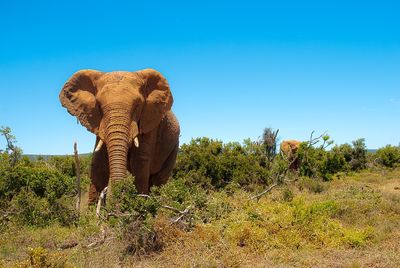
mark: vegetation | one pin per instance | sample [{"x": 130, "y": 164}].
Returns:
[{"x": 218, "y": 209}]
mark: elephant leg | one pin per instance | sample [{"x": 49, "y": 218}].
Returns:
[
  {"x": 99, "y": 173},
  {"x": 162, "y": 176},
  {"x": 141, "y": 173}
]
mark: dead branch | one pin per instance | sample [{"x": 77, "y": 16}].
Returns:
[
  {"x": 99, "y": 241},
  {"x": 182, "y": 214},
  {"x": 144, "y": 195},
  {"x": 68, "y": 245},
  {"x": 78, "y": 179},
  {"x": 171, "y": 208},
  {"x": 315, "y": 140},
  {"x": 264, "y": 192},
  {"x": 100, "y": 201}
]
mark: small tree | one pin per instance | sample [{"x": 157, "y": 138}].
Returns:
[
  {"x": 13, "y": 151},
  {"x": 359, "y": 155},
  {"x": 389, "y": 156},
  {"x": 269, "y": 141}
]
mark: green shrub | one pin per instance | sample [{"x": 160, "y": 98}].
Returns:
[
  {"x": 36, "y": 195},
  {"x": 66, "y": 164},
  {"x": 29, "y": 209},
  {"x": 287, "y": 194},
  {"x": 359, "y": 155},
  {"x": 317, "y": 162},
  {"x": 212, "y": 164},
  {"x": 40, "y": 258},
  {"x": 44, "y": 182},
  {"x": 125, "y": 199},
  {"x": 388, "y": 156},
  {"x": 312, "y": 185}
]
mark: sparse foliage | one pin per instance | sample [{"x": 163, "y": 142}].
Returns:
[
  {"x": 269, "y": 142},
  {"x": 13, "y": 152}
]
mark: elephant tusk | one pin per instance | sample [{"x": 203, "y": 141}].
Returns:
[
  {"x": 99, "y": 145},
  {"x": 136, "y": 142}
]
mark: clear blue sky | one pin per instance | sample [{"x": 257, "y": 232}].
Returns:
[{"x": 234, "y": 67}]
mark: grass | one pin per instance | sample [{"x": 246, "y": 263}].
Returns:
[{"x": 352, "y": 221}]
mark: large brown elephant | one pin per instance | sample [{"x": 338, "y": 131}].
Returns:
[
  {"x": 288, "y": 150},
  {"x": 130, "y": 114}
]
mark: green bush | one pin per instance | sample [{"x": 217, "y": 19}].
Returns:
[
  {"x": 36, "y": 195},
  {"x": 312, "y": 185},
  {"x": 66, "y": 164},
  {"x": 212, "y": 164},
  {"x": 318, "y": 162},
  {"x": 42, "y": 181},
  {"x": 388, "y": 156},
  {"x": 359, "y": 155},
  {"x": 29, "y": 209},
  {"x": 125, "y": 199}
]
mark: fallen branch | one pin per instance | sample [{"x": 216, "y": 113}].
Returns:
[
  {"x": 172, "y": 208},
  {"x": 183, "y": 213},
  {"x": 68, "y": 245},
  {"x": 264, "y": 192},
  {"x": 100, "y": 241},
  {"x": 144, "y": 195}
]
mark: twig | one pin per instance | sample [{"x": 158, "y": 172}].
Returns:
[
  {"x": 172, "y": 208},
  {"x": 99, "y": 202},
  {"x": 101, "y": 241},
  {"x": 68, "y": 245},
  {"x": 313, "y": 141},
  {"x": 181, "y": 213},
  {"x": 144, "y": 195},
  {"x": 287, "y": 180},
  {"x": 264, "y": 192},
  {"x": 78, "y": 179}
]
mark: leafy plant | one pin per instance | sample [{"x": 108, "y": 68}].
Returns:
[{"x": 388, "y": 156}]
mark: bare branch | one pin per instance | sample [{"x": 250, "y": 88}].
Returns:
[
  {"x": 100, "y": 241},
  {"x": 144, "y": 195},
  {"x": 100, "y": 201},
  {"x": 264, "y": 192},
  {"x": 78, "y": 179},
  {"x": 171, "y": 208},
  {"x": 315, "y": 140}
]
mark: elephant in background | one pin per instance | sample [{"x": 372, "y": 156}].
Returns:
[
  {"x": 136, "y": 131},
  {"x": 289, "y": 150}
]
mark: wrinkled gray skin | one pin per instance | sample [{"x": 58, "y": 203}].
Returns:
[{"x": 130, "y": 114}]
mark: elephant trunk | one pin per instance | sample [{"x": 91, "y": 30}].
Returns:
[{"x": 117, "y": 139}]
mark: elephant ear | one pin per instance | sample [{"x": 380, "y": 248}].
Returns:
[
  {"x": 78, "y": 96},
  {"x": 158, "y": 98}
]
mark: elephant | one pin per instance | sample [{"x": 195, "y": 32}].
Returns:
[
  {"x": 288, "y": 150},
  {"x": 136, "y": 131}
]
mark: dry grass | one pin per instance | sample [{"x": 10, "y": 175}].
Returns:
[{"x": 353, "y": 222}]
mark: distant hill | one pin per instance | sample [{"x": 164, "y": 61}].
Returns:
[{"x": 46, "y": 157}]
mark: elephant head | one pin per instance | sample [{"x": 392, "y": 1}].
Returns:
[
  {"x": 117, "y": 107},
  {"x": 288, "y": 150}
]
